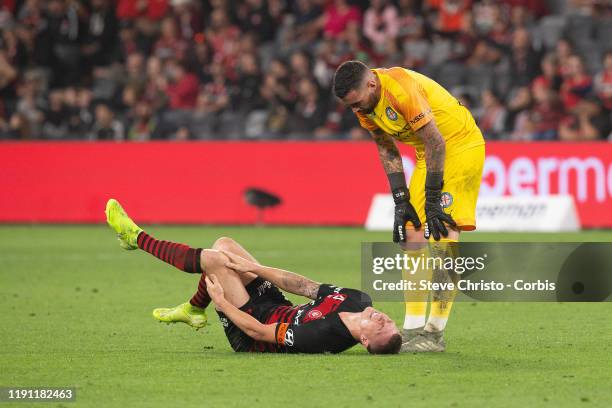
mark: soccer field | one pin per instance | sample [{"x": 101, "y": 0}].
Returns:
[{"x": 77, "y": 313}]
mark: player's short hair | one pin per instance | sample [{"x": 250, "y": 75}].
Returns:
[
  {"x": 392, "y": 346},
  {"x": 348, "y": 76}
]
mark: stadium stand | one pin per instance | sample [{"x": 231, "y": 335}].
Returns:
[{"x": 261, "y": 69}]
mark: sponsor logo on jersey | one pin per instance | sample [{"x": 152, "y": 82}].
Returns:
[
  {"x": 391, "y": 114},
  {"x": 261, "y": 289},
  {"x": 446, "y": 199},
  {"x": 289, "y": 338},
  {"x": 297, "y": 316},
  {"x": 417, "y": 118},
  {"x": 224, "y": 322}
]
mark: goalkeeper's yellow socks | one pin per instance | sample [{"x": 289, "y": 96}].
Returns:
[
  {"x": 416, "y": 300},
  {"x": 440, "y": 310}
]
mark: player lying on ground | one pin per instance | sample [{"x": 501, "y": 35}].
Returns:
[{"x": 254, "y": 313}]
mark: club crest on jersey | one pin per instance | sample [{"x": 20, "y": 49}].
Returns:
[
  {"x": 314, "y": 314},
  {"x": 391, "y": 114},
  {"x": 446, "y": 199}
]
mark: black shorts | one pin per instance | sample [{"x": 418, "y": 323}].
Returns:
[{"x": 264, "y": 298}]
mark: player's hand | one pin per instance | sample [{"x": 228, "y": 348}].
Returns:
[
  {"x": 404, "y": 212},
  {"x": 238, "y": 263},
  {"x": 214, "y": 289},
  {"x": 435, "y": 217}
]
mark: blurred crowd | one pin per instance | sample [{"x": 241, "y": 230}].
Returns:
[{"x": 261, "y": 69}]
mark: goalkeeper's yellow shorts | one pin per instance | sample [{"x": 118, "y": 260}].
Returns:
[{"x": 462, "y": 176}]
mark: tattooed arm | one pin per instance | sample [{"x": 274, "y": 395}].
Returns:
[
  {"x": 392, "y": 162},
  {"x": 289, "y": 281},
  {"x": 435, "y": 154},
  {"x": 435, "y": 147},
  {"x": 387, "y": 152},
  {"x": 285, "y": 280}
]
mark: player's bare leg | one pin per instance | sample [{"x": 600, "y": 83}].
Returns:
[
  {"x": 233, "y": 284},
  {"x": 211, "y": 261}
]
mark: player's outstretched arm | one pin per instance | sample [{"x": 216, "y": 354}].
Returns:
[
  {"x": 285, "y": 280},
  {"x": 391, "y": 160},
  {"x": 435, "y": 155},
  {"x": 247, "y": 323}
]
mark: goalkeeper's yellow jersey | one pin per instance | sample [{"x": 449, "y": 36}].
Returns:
[{"x": 409, "y": 101}]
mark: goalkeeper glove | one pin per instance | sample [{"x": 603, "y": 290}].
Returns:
[
  {"x": 404, "y": 211},
  {"x": 435, "y": 217}
]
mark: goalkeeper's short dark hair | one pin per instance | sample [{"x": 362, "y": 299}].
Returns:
[
  {"x": 348, "y": 76},
  {"x": 392, "y": 346}
]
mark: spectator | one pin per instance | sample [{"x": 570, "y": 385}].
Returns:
[
  {"x": 337, "y": 16},
  {"x": 225, "y": 41},
  {"x": 151, "y": 9},
  {"x": 8, "y": 76},
  {"x": 300, "y": 65},
  {"x": 155, "y": 89},
  {"x": 357, "y": 48},
  {"x": 63, "y": 36},
  {"x": 100, "y": 36},
  {"x": 492, "y": 115},
  {"x": 106, "y": 126},
  {"x": 143, "y": 125},
  {"x": 487, "y": 13},
  {"x": 549, "y": 78},
  {"x": 145, "y": 60},
  {"x": 247, "y": 97},
  {"x": 536, "y": 8},
  {"x": 603, "y": 82},
  {"x": 18, "y": 128},
  {"x": 134, "y": 68},
  {"x": 31, "y": 102},
  {"x": 306, "y": 17},
  {"x": 451, "y": 14},
  {"x": 182, "y": 88},
  {"x": 588, "y": 122},
  {"x": 78, "y": 122},
  {"x": 412, "y": 35},
  {"x": 381, "y": 24},
  {"x": 520, "y": 102},
  {"x": 577, "y": 84},
  {"x": 130, "y": 42},
  {"x": 212, "y": 101},
  {"x": 310, "y": 110},
  {"x": 546, "y": 113},
  {"x": 170, "y": 43},
  {"x": 524, "y": 60},
  {"x": 254, "y": 16},
  {"x": 188, "y": 17},
  {"x": 563, "y": 51},
  {"x": 55, "y": 126}
]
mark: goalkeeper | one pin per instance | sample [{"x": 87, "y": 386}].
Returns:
[
  {"x": 398, "y": 104},
  {"x": 255, "y": 315}
]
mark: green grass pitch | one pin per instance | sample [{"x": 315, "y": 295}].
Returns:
[{"x": 76, "y": 311}]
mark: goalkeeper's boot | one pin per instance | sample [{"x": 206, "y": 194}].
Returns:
[
  {"x": 425, "y": 342},
  {"x": 186, "y": 313},
  {"x": 127, "y": 231},
  {"x": 409, "y": 334}
]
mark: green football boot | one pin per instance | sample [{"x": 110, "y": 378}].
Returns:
[
  {"x": 426, "y": 342},
  {"x": 184, "y": 313},
  {"x": 127, "y": 231}
]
